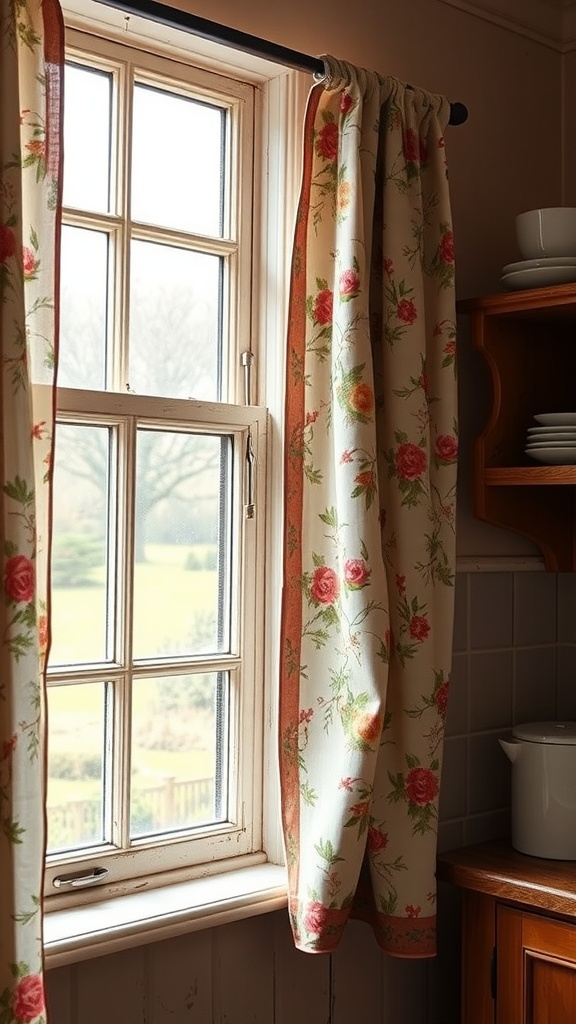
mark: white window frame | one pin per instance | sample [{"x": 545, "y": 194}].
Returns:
[{"x": 248, "y": 888}]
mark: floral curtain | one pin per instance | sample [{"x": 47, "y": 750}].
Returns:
[
  {"x": 31, "y": 56},
  {"x": 370, "y": 475}
]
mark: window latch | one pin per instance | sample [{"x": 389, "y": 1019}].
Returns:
[
  {"x": 247, "y": 359},
  {"x": 79, "y": 879},
  {"x": 249, "y": 507}
]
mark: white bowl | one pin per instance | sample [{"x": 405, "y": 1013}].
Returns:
[{"x": 546, "y": 233}]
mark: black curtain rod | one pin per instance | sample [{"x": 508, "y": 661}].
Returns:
[{"x": 173, "y": 17}]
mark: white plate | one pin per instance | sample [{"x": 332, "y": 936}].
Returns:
[
  {"x": 554, "y": 456},
  {"x": 552, "y": 435},
  {"x": 553, "y": 428},
  {"x": 546, "y": 261},
  {"x": 556, "y": 419},
  {"x": 539, "y": 277},
  {"x": 550, "y": 444}
]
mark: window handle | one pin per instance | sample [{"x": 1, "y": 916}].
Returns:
[
  {"x": 250, "y": 508},
  {"x": 247, "y": 359},
  {"x": 79, "y": 879}
]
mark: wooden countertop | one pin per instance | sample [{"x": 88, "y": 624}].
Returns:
[{"x": 497, "y": 869}]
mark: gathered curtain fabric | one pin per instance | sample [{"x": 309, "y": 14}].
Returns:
[
  {"x": 31, "y": 66},
  {"x": 369, "y": 533}
]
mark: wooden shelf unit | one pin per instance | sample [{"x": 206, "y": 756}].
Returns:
[{"x": 528, "y": 340}]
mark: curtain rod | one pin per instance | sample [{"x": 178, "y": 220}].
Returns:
[{"x": 173, "y": 17}]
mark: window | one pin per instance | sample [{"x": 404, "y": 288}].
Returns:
[{"x": 155, "y": 676}]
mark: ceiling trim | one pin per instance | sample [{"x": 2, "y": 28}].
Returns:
[{"x": 550, "y": 22}]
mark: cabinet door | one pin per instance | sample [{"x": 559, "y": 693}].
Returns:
[{"x": 536, "y": 969}]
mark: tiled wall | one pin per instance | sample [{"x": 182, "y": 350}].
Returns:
[{"x": 514, "y": 647}]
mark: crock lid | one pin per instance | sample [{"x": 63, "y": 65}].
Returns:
[{"x": 546, "y": 732}]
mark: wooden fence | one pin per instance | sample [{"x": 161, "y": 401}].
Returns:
[{"x": 171, "y": 804}]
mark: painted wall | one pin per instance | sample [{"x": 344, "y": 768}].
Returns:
[{"x": 513, "y": 629}]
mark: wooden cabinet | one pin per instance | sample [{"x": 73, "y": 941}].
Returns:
[
  {"x": 518, "y": 935},
  {"x": 528, "y": 340},
  {"x": 535, "y": 968}
]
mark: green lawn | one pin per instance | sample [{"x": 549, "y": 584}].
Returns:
[{"x": 170, "y": 602}]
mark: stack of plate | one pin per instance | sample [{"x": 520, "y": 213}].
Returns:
[
  {"x": 554, "y": 439},
  {"x": 539, "y": 273}
]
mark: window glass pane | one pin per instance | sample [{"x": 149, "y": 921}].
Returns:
[
  {"x": 175, "y": 332},
  {"x": 87, "y": 134},
  {"x": 83, "y": 308},
  {"x": 182, "y": 577},
  {"x": 179, "y": 752},
  {"x": 77, "y": 743},
  {"x": 81, "y": 624},
  {"x": 178, "y": 181}
]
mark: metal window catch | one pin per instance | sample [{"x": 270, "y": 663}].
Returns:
[
  {"x": 79, "y": 879},
  {"x": 247, "y": 359},
  {"x": 250, "y": 508}
]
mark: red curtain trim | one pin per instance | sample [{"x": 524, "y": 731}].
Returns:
[
  {"x": 291, "y": 628},
  {"x": 407, "y": 937}
]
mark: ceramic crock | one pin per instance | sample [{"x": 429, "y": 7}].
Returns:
[{"x": 543, "y": 756}]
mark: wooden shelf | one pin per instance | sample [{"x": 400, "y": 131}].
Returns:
[
  {"x": 525, "y": 476},
  {"x": 528, "y": 341}
]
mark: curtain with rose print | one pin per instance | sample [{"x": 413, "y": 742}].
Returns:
[
  {"x": 31, "y": 62},
  {"x": 369, "y": 546}
]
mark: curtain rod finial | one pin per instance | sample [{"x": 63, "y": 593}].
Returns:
[{"x": 458, "y": 113}]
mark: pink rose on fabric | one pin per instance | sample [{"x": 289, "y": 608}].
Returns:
[
  {"x": 7, "y": 243},
  {"x": 368, "y": 726},
  {"x": 327, "y": 141},
  {"x": 450, "y": 348},
  {"x": 361, "y": 809},
  {"x": 29, "y": 262},
  {"x": 410, "y": 461},
  {"x": 323, "y": 304},
  {"x": 411, "y": 147},
  {"x": 419, "y": 627},
  {"x": 38, "y": 430},
  {"x": 8, "y": 747},
  {"x": 349, "y": 284},
  {"x": 36, "y": 147},
  {"x": 356, "y": 573},
  {"x": 376, "y": 840},
  {"x": 415, "y": 148},
  {"x": 325, "y": 586},
  {"x": 400, "y": 583},
  {"x": 316, "y": 917},
  {"x": 28, "y": 1000},
  {"x": 441, "y": 697},
  {"x": 421, "y": 786},
  {"x": 406, "y": 311},
  {"x": 346, "y": 102},
  {"x": 19, "y": 578},
  {"x": 446, "y": 447},
  {"x": 412, "y": 911},
  {"x": 365, "y": 480},
  {"x": 388, "y": 267},
  {"x": 447, "y": 247},
  {"x": 43, "y": 632}
]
